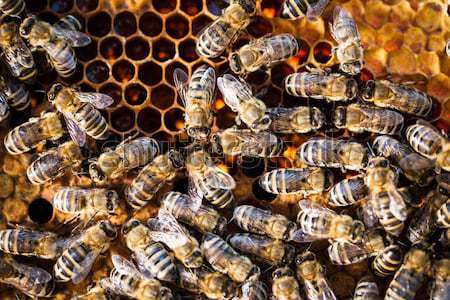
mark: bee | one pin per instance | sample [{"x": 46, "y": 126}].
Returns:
[
  {"x": 86, "y": 203},
  {"x": 125, "y": 279},
  {"x": 95, "y": 292},
  {"x": 367, "y": 289},
  {"x": 53, "y": 163},
  {"x": 214, "y": 285},
  {"x": 440, "y": 288},
  {"x": 204, "y": 219},
  {"x": 386, "y": 94},
  {"x": 294, "y": 9},
  {"x": 213, "y": 40},
  {"x": 263, "y": 53},
  {"x": 4, "y": 109},
  {"x": 333, "y": 153},
  {"x": 447, "y": 48},
  {"x": 348, "y": 191},
  {"x": 320, "y": 84},
  {"x": 427, "y": 141},
  {"x": 414, "y": 166},
  {"x": 387, "y": 261},
  {"x": 197, "y": 95},
  {"x": 76, "y": 261},
  {"x": 12, "y": 7},
  {"x": 443, "y": 215},
  {"x": 166, "y": 229},
  {"x": 312, "y": 274},
  {"x": 274, "y": 252},
  {"x": 30, "y": 280},
  {"x": 301, "y": 119},
  {"x": 253, "y": 290},
  {"x": 408, "y": 279},
  {"x": 244, "y": 142},
  {"x": 152, "y": 177},
  {"x": 317, "y": 222},
  {"x": 57, "y": 40},
  {"x": 30, "y": 134},
  {"x": 349, "y": 51},
  {"x": 239, "y": 97},
  {"x": 16, "y": 54},
  {"x": 223, "y": 258},
  {"x": 128, "y": 155},
  {"x": 306, "y": 181},
  {"x": 80, "y": 112},
  {"x": 264, "y": 222},
  {"x": 284, "y": 285},
  {"x": 15, "y": 93}
]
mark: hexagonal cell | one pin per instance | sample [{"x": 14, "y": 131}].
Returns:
[
  {"x": 365, "y": 75},
  {"x": 137, "y": 48},
  {"x": 260, "y": 193},
  {"x": 279, "y": 73},
  {"x": 125, "y": 23},
  {"x": 35, "y": 5},
  {"x": 252, "y": 166},
  {"x": 171, "y": 68},
  {"x": 122, "y": 119},
  {"x": 174, "y": 119},
  {"x": 302, "y": 55},
  {"x": 259, "y": 27},
  {"x": 87, "y": 5},
  {"x": 88, "y": 52},
  {"x": 40, "y": 211},
  {"x": 149, "y": 120},
  {"x": 257, "y": 78},
  {"x": 163, "y": 50},
  {"x": 111, "y": 48},
  {"x": 150, "y": 73},
  {"x": 97, "y": 71},
  {"x": 192, "y": 7},
  {"x": 322, "y": 52},
  {"x": 187, "y": 50},
  {"x": 270, "y": 8},
  {"x": 150, "y": 24},
  {"x": 162, "y": 96},
  {"x": 61, "y": 6},
  {"x": 76, "y": 77},
  {"x": 99, "y": 24},
  {"x": 225, "y": 118},
  {"x": 123, "y": 71},
  {"x": 135, "y": 94},
  {"x": 114, "y": 91},
  {"x": 271, "y": 97},
  {"x": 164, "y": 140},
  {"x": 177, "y": 26},
  {"x": 199, "y": 23},
  {"x": 165, "y": 6}
]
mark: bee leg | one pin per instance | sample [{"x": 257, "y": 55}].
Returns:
[{"x": 238, "y": 120}]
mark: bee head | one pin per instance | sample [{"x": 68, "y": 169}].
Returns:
[
  {"x": 235, "y": 63},
  {"x": 54, "y": 91},
  {"x": 130, "y": 225},
  {"x": 112, "y": 202},
  {"x": 304, "y": 257},
  {"x": 291, "y": 228},
  {"x": 352, "y": 88},
  {"x": 340, "y": 117},
  {"x": 352, "y": 68},
  {"x": 176, "y": 159},
  {"x": 357, "y": 232},
  {"x": 166, "y": 294},
  {"x": 194, "y": 260},
  {"x": 288, "y": 255},
  {"x": 263, "y": 124},
  {"x": 221, "y": 225},
  {"x": 369, "y": 90},
  {"x": 109, "y": 229},
  {"x": 378, "y": 162},
  {"x": 215, "y": 144},
  {"x": 281, "y": 272},
  {"x": 199, "y": 133},
  {"x": 96, "y": 174},
  {"x": 26, "y": 26},
  {"x": 317, "y": 118}
]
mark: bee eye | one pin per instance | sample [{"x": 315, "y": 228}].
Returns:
[
  {"x": 277, "y": 274},
  {"x": 135, "y": 223},
  {"x": 109, "y": 206},
  {"x": 290, "y": 273}
]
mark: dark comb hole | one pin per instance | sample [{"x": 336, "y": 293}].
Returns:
[
  {"x": 279, "y": 73},
  {"x": 76, "y": 77},
  {"x": 150, "y": 24},
  {"x": 49, "y": 17},
  {"x": 123, "y": 71},
  {"x": 199, "y": 23},
  {"x": 150, "y": 73},
  {"x": 252, "y": 166},
  {"x": 88, "y": 52},
  {"x": 122, "y": 119},
  {"x": 164, "y": 139},
  {"x": 260, "y": 193},
  {"x": 271, "y": 97},
  {"x": 163, "y": 50},
  {"x": 225, "y": 118},
  {"x": 257, "y": 78},
  {"x": 322, "y": 52},
  {"x": 111, "y": 48},
  {"x": 164, "y": 6},
  {"x": 99, "y": 24},
  {"x": 48, "y": 77},
  {"x": 135, "y": 94},
  {"x": 192, "y": 7},
  {"x": 177, "y": 26},
  {"x": 162, "y": 96},
  {"x": 61, "y": 6},
  {"x": 87, "y": 5},
  {"x": 174, "y": 119},
  {"x": 137, "y": 49},
  {"x": 259, "y": 27},
  {"x": 216, "y": 7},
  {"x": 40, "y": 211},
  {"x": 171, "y": 68},
  {"x": 35, "y": 5},
  {"x": 187, "y": 51},
  {"x": 125, "y": 24},
  {"x": 97, "y": 72},
  {"x": 270, "y": 8},
  {"x": 149, "y": 120},
  {"x": 114, "y": 91},
  {"x": 303, "y": 53}
]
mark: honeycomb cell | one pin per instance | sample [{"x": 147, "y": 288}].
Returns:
[
  {"x": 35, "y": 5},
  {"x": 257, "y": 78},
  {"x": 259, "y": 27},
  {"x": 150, "y": 24},
  {"x": 164, "y": 140},
  {"x": 135, "y": 94},
  {"x": 379, "y": 13},
  {"x": 111, "y": 48},
  {"x": 165, "y": 6},
  {"x": 187, "y": 50},
  {"x": 150, "y": 73},
  {"x": 40, "y": 211},
  {"x": 114, "y": 91},
  {"x": 174, "y": 119},
  {"x": 171, "y": 68},
  {"x": 279, "y": 73},
  {"x": 86, "y": 87},
  {"x": 99, "y": 24},
  {"x": 162, "y": 96},
  {"x": 252, "y": 166},
  {"x": 302, "y": 55},
  {"x": 225, "y": 118},
  {"x": 125, "y": 23},
  {"x": 199, "y": 23},
  {"x": 49, "y": 17},
  {"x": 149, "y": 120},
  {"x": 87, "y": 5},
  {"x": 177, "y": 26},
  {"x": 88, "y": 52},
  {"x": 122, "y": 119},
  {"x": 123, "y": 71},
  {"x": 429, "y": 17},
  {"x": 61, "y": 6},
  {"x": 137, "y": 48},
  {"x": 402, "y": 61},
  {"x": 97, "y": 71},
  {"x": 271, "y": 8},
  {"x": 365, "y": 75},
  {"x": 271, "y": 96},
  {"x": 163, "y": 50},
  {"x": 76, "y": 77},
  {"x": 260, "y": 193},
  {"x": 415, "y": 39},
  {"x": 428, "y": 63},
  {"x": 322, "y": 52}
]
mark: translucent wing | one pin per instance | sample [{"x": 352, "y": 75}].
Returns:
[
  {"x": 314, "y": 208},
  {"x": 18, "y": 56},
  {"x": 124, "y": 266},
  {"x": 37, "y": 274},
  {"x": 219, "y": 179},
  {"x": 181, "y": 80},
  {"x": 299, "y": 236},
  {"x": 368, "y": 215},
  {"x": 195, "y": 194},
  {"x": 81, "y": 271},
  {"x": 108, "y": 285},
  {"x": 75, "y": 38},
  {"x": 167, "y": 230},
  {"x": 77, "y": 134},
  {"x": 98, "y": 100},
  {"x": 315, "y": 10},
  {"x": 353, "y": 252},
  {"x": 208, "y": 81},
  {"x": 397, "y": 205},
  {"x": 173, "y": 240},
  {"x": 324, "y": 290},
  {"x": 281, "y": 118},
  {"x": 4, "y": 107},
  {"x": 233, "y": 91}
]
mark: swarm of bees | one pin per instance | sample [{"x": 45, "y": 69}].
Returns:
[{"x": 202, "y": 241}]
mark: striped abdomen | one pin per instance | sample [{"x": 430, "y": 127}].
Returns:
[
  {"x": 313, "y": 224},
  {"x": 27, "y": 242},
  {"x": 12, "y": 7},
  {"x": 159, "y": 262},
  {"x": 408, "y": 100},
  {"x": 126, "y": 283},
  {"x": 366, "y": 289},
  {"x": 62, "y": 56},
  {"x": 405, "y": 285},
  {"x": 199, "y": 86},
  {"x": 17, "y": 95},
  {"x": 320, "y": 153},
  {"x": 389, "y": 222},
  {"x": 143, "y": 187},
  {"x": 348, "y": 191},
  {"x": 251, "y": 218},
  {"x": 293, "y": 9},
  {"x": 45, "y": 168},
  {"x": 70, "y": 261},
  {"x": 90, "y": 119},
  {"x": 343, "y": 253},
  {"x": 24, "y": 137},
  {"x": 30, "y": 285},
  {"x": 70, "y": 200},
  {"x": 221, "y": 198},
  {"x": 306, "y": 84},
  {"x": 388, "y": 261},
  {"x": 216, "y": 38},
  {"x": 443, "y": 215},
  {"x": 425, "y": 140}
]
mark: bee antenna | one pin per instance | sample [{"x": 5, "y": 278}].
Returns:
[{"x": 369, "y": 147}]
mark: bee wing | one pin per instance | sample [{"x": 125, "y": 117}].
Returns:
[
  {"x": 171, "y": 239},
  {"x": 37, "y": 274},
  {"x": 166, "y": 229},
  {"x": 77, "y": 134},
  {"x": 195, "y": 194},
  {"x": 18, "y": 56},
  {"x": 233, "y": 91},
  {"x": 98, "y": 100},
  {"x": 4, "y": 107},
  {"x": 82, "y": 270},
  {"x": 75, "y": 38},
  {"x": 216, "y": 178},
  {"x": 124, "y": 266},
  {"x": 108, "y": 285},
  {"x": 324, "y": 290},
  {"x": 315, "y": 10},
  {"x": 208, "y": 81},
  {"x": 397, "y": 205},
  {"x": 299, "y": 236},
  {"x": 368, "y": 215},
  {"x": 281, "y": 118},
  {"x": 181, "y": 80},
  {"x": 315, "y": 208},
  {"x": 352, "y": 251}
]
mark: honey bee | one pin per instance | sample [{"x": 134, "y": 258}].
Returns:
[
  {"x": 348, "y": 191},
  {"x": 30, "y": 280},
  {"x": 284, "y": 285},
  {"x": 320, "y": 84},
  {"x": 204, "y": 219},
  {"x": 80, "y": 112},
  {"x": 12, "y": 7},
  {"x": 317, "y": 222},
  {"x": 223, "y": 258},
  {"x": 408, "y": 279},
  {"x": 76, "y": 261},
  {"x": 125, "y": 279},
  {"x": 253, "y": 290},
  {"x": 150, "y": 256},
  {"x": 152, "y": 177},
  {"x": 264, "y": 222},
  {"x": 415, "y": 167},
  {"x": 312, "y": 274},
  {"x": 197, "y": 96},
  {"x": 367, "y": 289},
  {"x": 53, "y": 163},
  {"x": 16, "y": 54},
  {"x": 15, "y": 93},
  {"x": 30, "y": 134},
  {"x": 301, "y": 119},
  {"x": 239, "y": 97},
  {"x": 387, "y": 261},
  {"x": 427, "y": 141},
  {"x": 349, "y": 51},
  {"x": 214, "y": 285},
  {"x": 263, "y": 53},
  {"x": 213, "y": 40},
  {"x": 443, "y": 215},
  {"x": 360, "y": 118},
  {"x": 294, "y": 9},
  {"x": 440, "y": 289},
  {"x": 244, "y": 142},
  {"x": 306, "y": 181},
  {"x": 95, "y": 292},
  {"x": 128, "y": 155},
  {"x": 4, "y": 109},
  {"x": 274, "y": 252},
  {"x": 384, "y": 93},
  {"x": 57, "y": 40},
  {"x": 165, "y": 228}
]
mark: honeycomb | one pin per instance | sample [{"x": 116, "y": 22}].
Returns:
[{"x": 136, "y": 46}]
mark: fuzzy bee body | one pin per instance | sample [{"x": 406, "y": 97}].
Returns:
[
  {"x": 12, "y": 7},
  {"x": 440, "y": 288},
  {"x": 16, "y": 94},
  {"x": 300, "y": 119},
  {"x": 27, "y": 242},
  {"x": 253, "y": 290},
  {"x": 284, "y": 285},
  {"x": 294, "y": 9},
  {"x": 387, "y": 261},
  {"x": 366, "y": 289},
  {"x": 443, "y": 215},
  {"x": 348, "y": 191}
]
